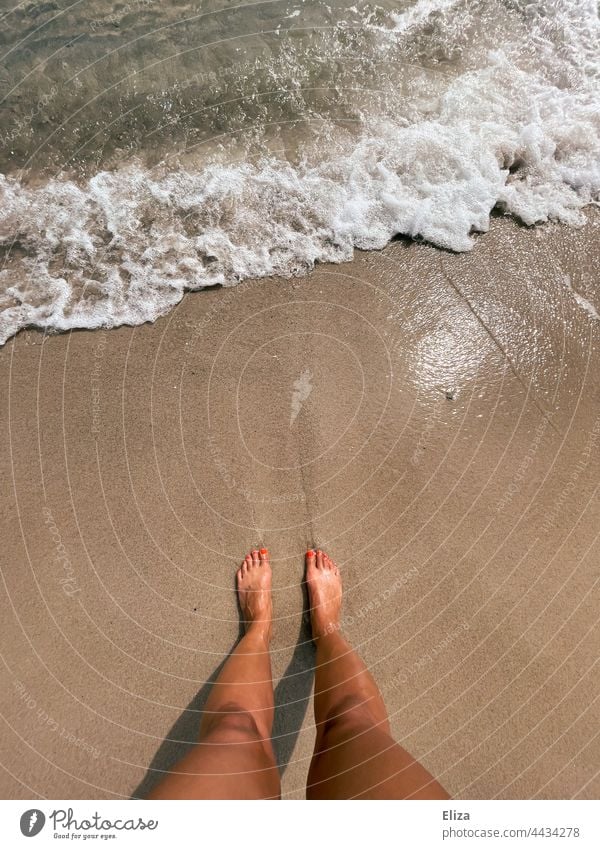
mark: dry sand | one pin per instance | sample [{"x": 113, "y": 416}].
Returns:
[{"x": 432, "y": 420}]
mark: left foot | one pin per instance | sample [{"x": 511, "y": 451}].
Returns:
[{"x": 254, "y": 592}]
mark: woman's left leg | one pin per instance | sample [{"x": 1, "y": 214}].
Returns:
[{"x": 234, "y": 757}]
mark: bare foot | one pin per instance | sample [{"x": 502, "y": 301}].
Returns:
[
  {"x": 254, "y": 592},
  {"x": 325, "y": 593}
]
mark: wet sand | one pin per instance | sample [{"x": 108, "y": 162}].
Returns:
[{"x": 432, "y": 420}]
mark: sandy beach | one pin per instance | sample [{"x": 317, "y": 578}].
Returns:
[{"x": 432, "y": 420}]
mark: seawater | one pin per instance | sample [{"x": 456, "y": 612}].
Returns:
[{"x": 150, "y": 148}]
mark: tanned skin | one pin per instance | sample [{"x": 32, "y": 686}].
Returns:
[{"x": 355, "y": 756}]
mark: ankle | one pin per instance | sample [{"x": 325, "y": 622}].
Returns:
[
  {"x": 327, "y": 634},
  {"x": 325, "y": 630},
  {"x": 259, "y": 632}
]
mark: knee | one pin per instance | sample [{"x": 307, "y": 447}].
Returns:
[
  {"x": 350, "y": 711},
  {"x": 349, "y": 717},
  {"x": 230, "y": 724}
]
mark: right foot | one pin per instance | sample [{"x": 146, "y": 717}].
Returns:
[{"x": 325, "y": 593}]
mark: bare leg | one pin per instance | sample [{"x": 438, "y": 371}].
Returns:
[
  {"x": 234, "y": 757},
  {"x": 355, "y": 755}
]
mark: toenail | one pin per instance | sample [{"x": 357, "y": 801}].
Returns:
[
  {"x": 310, "y": 552},
  {"x": 264, "y": 551}
]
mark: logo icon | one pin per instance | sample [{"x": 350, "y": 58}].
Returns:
[
  {"x": 302, "y": 389},
  {"x": 32, "y": 822}
]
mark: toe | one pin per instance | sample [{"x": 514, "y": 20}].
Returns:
[
  {"x": 264, "y": 555},
  {"x": 319, "y": 559},
  {"x": 255, "y": 557},
  {"x": 310, "y": 557},
  {"x": 329, "y": 564}
]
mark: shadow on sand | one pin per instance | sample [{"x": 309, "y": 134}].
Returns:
[{"x": 292, "y": 695}]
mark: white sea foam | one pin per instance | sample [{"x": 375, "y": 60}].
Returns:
[
  {"x": 419, "y": 12},
  {"x": 520, "y": 130}
]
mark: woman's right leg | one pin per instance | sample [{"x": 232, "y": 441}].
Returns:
[
  {"x": 355, "y": 755},
  {"x": 234, "y": 756}
]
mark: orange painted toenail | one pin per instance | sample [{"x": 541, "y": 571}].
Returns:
[
  {"x": 264, "y": 551},
  {"x": 310, "y": 552}
]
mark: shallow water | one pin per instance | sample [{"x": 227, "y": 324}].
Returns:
[{"x": 150, "y": 148}]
